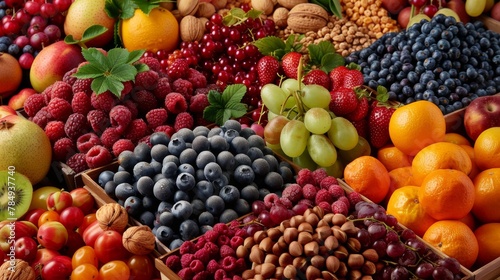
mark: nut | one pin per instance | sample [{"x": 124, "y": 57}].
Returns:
[
  {"x": 332, "y": 264},
  {"x": 305, "y": 227},
  {"x": 312, "y": 273},
  {"x": 304, "y": 237},
  {"x": 355, "y": 261},
  {"x": 339, "y": 234},
  {"x": 241, "y": 252},
  {"x": 353, "y": 244},
  {"x": 318, "y": 261},
  {"x": 290, "y": 3},
  {"x": 311, "y": 249},
  {"x": 369, "y": 268},
  {"x": 248, "y": 274},
  {"x": 370, "y": 255},
  {"x": 290, "y": 234},
  {"x": 349, "y": 228},
  {"x": 307, "y": 17},
  {"x": 205, "y": 9},
  {"x": 271, "y": 258},
  {"x": 280, "y": 17},
  {"x": 290, "y": 272},
  {"x": 266, "y": 245},
  {"x": 295, "y": 221},
  {"x": 248, "y": 242},
  {"x": 338, "y": 219},
  {"x": 331, "y": 243},
  {"x": 265, "y": 6},
  {"x": 341, "y": 253},
  {"x": 17, "y": 269},
  {"x": 139, "y": 240},
  {"x": 191, "y": 29},
  {"x": 285, "y": 259},
  {"x": 219, "y": 4},
  {"x": 300, "y": 263},
  {"x": 324, "y": 232},
  {"x": 258, "y": 236},
  {"x": 256, "y": 255},
  {"x": 274, "y": 233},
  {"x": 295, "y": 249},
  {"x": 187, "y": 7},
  {"x": 312, "y": 219},
  {"x": 112, "y": 216}
]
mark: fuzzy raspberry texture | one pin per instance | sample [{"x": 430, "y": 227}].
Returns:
[
  {"x": 336, "y": 191},
  {"x": 122, "y": 145},
  {"x": 229, "y": 263},
  {"x": 309, "y": 191},
  {"x": 63, "y": 149},
  {"x": 145, "y": 101},
  {"x": 110, "y": 136},
  {"x": 198, "y": 103},
  {"x": 270, "y": 199},
  {"x": 354, "y": 198},
  {"x": 305, "y": 176},
  {"x": 339, "y": 207},
  {"x": 327, "y": 208},
  {"x": 286, "y": 202},
  {"x": 183, "y": 87},
  {"x": 128, "y": 86},
  {"x": 62, "y": 90},
  {"x": 345, "y": 200},
  {"x": 156, "y": 117},
  {"x": 293, "y": 192},
  {"x": 212, "y": 266},
  {"x": 42, "y": 117},
  {"x": 211, "y": 235},
  {"x": 77, "y": 162},
  {"x": 136, "y": 130},
  {"x": 146, "y": 80},
  {"x": 151, "y": 62},
  {"x": 187, "y": 247},
  {"x": 178, "y": 69},
  {"x": 104, "y": 101},
  {"x": 46, "y": 93},
  {"x": 202, "y": 255},
  {"x": 319, "y": 174},
  {"x": 196, "y": 78},
  {"x": 33, "y": 104},
  {"x": 146, "y": 140},
  {"x": 163, "y": 88},
  {"x": 186, "y": 273},
  {"x": 59, "y": 108},
  {"x": 323, "y": 195},
  {"x": 223, "y": 239},
  {"x": 81, "y": 103},
  {"x": 120, "y": 117},
  {"x": 87, "y": 141},
  {"x": 186, "y": 259},
  {"x": 55, "y": 130},
  {"x": 76, "y": 125},
  {"x": 226, "y": 250},
  {"x": 202, "y": 275},
  {"x": 197, "y": 266},
  {"x": 183, "y": 120},
  {"x": 167, "y": 129},
  {"x": 175, "y": 103},
  {"x": 327, "y": 182},
  {"x": 236, "y": 241},
  {"x": 173, "y": 262},
  {"x": 98, "y": 121},
  {"x": 69, "y": 78},
  {"x": 82, "y": 85},
  {"x": 98, "y": 156}
]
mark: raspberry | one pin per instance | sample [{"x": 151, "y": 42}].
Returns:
[
  {"x": 241, "y": 233},
  {"x": 186, "y": 273},
  {"x": 165, "y": 128},
  {"x": 173, "y": 262},
  {"x": 196, "y": 78},
  {"x": 304, "y": 176},
  {"x": 69, "y": 78},
  {"x": 197, "y": 266},
  {"x": 145, "y": 101},
  {"x": 236, "y": 241},
  {"x": 156, "y": 117},
  {"x": 183, "y": 87},
  {"x": 323, "y": 195},
  {"x": 110, "y": 136},
  {"x": 183, "y": 120},
  {"x": 327, "y": 181},
  {"x": 33, "y": 104},
  {"x": 220, "y": 274},
  {"x": 63, "y": 149},
  {"x": 186, "y": 259},
  {"x": 325, "y": 206},
  {"x": 98, "y": 156},
  {"x": 77, "y": 162},
  {"x": 178, "y": 69},
  {"x": 120, "y": 117},
  {"x": 81, "y": 103},
  {"x": 354, "y": 198},
  {"x": 136, "y": 130},
  {"x": 336, "y": 191},
  {"x": 211, "y": 235},
  {"x": 104, "y": 101},
  {"x": 223, "y": 239},
  {"x": 270, "y": 199},
  {"x": 146, "y": 139},
  {"x": 55, "y": 130},
  {"x": 199, "y": 120},
  {"x": 162, "y": 88},
  {"x": 212, "y": 266},
  {"x": 122, "y": 145},
  {"x": 293, "y": 192},
  {"x": 339, "y": 207},
  {"x": 175, "y": 103},
  {"x": 221, "y": 228},
  {"x": 240, "y": 265},
  {"x": 76, "y": 125},
  {"x": 345, "y": 200},
  {"x": 187, "y": 247},
  {"x": 202, "y": 275},
  {"x": 319, "y": 174},
  {"x": 198, "y": 103},
  {"x": 82, "y": 85},
  {"x": 309, "y": 191},
  {"x": 87, "y": 141},
  {"x": 46, "y": 93},
  {"x": 132, "y": 106},
  {"x": 146, "y": 80},
  {"x": 229, "y": 263},
  {"x": 308, "y": 202},
  {"x": 98, "y": 120},
  {"x": 202, "y": 255},
  {"x": 286, "y": 202},
  {"x": 226, "y": 250},
  {"x": 151, "y": 62},
  {"x": 127, "y": 88},
  {"x": 59, "y": 108},
  {"x": 62, "y": 90},
  {"x": 237, "y": 277}
]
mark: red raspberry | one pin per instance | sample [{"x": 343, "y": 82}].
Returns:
[
  {"x": 98, "y": 120},
  {"x": 319, "y": 174},
  {"x": 200, "y": 243},
  {"x": 325, "y": 206},
  {"x": 229, "y": 263},
  {"x": 339, "y": 207},
  {"x": 237, "y": 277},
  {"x": 173, "y": 262},
  {"x": 81, "y": 103},
  {"x": 76, "y": 125},
  {"x": 220, "y": 274},
  {"x": 59, "y": 108},
  {"x": 336, "y": 191},
  {"x": 183, "y": 120},
  {"x": 236, "y": 241},
  {"x": 202, "y": 275},
  {"x": 327, "y": 182},
  {"x": 198, "y": 103},
  {"x": 292, "y": 192},
  {"x": 183, "y": 87},
  {"x": 286, "y": 202},
  {"x": 62, "y": 90},
  {"x": 175, "y": 103},
  {"x": 212, "y": 266},
  {"x": 145, "y": 101},
  {"x": 122, "y": 145},
  {"x": 226, "y": 250},
  {"x": 309, "y": 191},
  {"x": 345, "y": 200},
  {"x": 162, "y": 88},
  {"x": 165, "y": 128},
  {"x": 354, "y": 198},
  {"x": 68, "y": 76},
  {"x": 270, "y": 199},
  {"x": 82, "y": 85},
  {"x": 63, "y": 149},
  {"x": 196, "y": 78},
  {"x": 323, "y": 195},
  {"x": 202, "y": 255},
  {"x": 156, "y": 117},
  {"x": 211, "y": 235},
  {"x": 128, "y": 86},
  {"x": 104, "y": 101},
  {"x": 241, "y": 233},
  {"x": 199, "y": 120},
  {"x": 223, "y": 239},
  {"x": 120, "y": 117},
  {"x": 197, "y": 266},
  {"x": 186, "y": 259},
  {"x": 187, "y": 247},
  {"x": 233, "y": 225},
  {"x": 178, "y": 69},
  {"x": 77, "y": 162},
  {"x": 110, "y": 136},
  {"x": 221, "y": 228},
  {"x": 308, "y": 202},
  {"x": 136, "y": 130},
  {"x": 147, "y": 140},
  {"x": 87, "y": 141},
  {"x": 146, "y": 80},
  {"x": 55, "y": 130},
  {"x": 151, "y": 62},
  {"x": 46, "y": 93},
  {"x": 186, "y": 273},
  {"x": 33, "y": 104},
  {"x": 304, "y": 176},
  {"x": 240, "y": 266},
  {"x": 98, "y": 156}
]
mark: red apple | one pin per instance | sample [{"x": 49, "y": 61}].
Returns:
[
  {"x": 75, "y": 241},
  {"x": 25, "y": 248},
  {"x": 18, "y": 229},
  {"x": 404, "y": 17},
  {"x": 33, "y": 215},
  {"x": 58, "y": 268},
  {"x": 91, "y": 233},
  {"x": 83, "y": 199},
  {"x": 52, "y": 235},
  {"x": 6, "y": 110},
  {"x": 394, "y": 6},
  {"x": 495, "y": 11},
  {"x": 59, "y": 201},
  {"x": 108, "y": 246},
  {"x": 459, "y": 7},
  {"x": 16, "y": 102},
  {"x": 481, "y": 114},
  {"x": 43, "y": 256}
]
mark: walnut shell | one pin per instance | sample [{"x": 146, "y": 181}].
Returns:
[
  {"x": 191, "y": 29},
  {"x": 187, "y": 7},
  {"x": 219, "y": 4},
  {"x": 16, "y": 269},
  {"x": 139, "y": 240},
  {"x": 265, "y": 6},
  {"x": 112, "y": 216},
  {"x": 205, "y": 9},
  {"x": 280, "y": 17},
  {"x": 307, "y": 17},
  {"x": 290, "y": 3}
]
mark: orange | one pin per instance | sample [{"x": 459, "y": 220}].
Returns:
[
  {"x": 455, "y": 239},
  {"x": 159, "y": 30},
  {"x": 447, "y": 194},
  {"x": 469, "y": 220},
  {"x": 487, "y": 148},
  {"x": 441, "y": 155},
  {"x": 11, "y": 75},
  {"x": 400, "y": 177},
  {"x": 416, "y": 125},
  {"x": 456, "y": 138},
  {"x": 405, "y": 206},
  {"x": 487, "y": 239},
  {"x": 487, "y": 196},
  {"x": 392, "y": 158},
  {"x": 368, "y": 176},
  {"x": 470, "y": 151}
]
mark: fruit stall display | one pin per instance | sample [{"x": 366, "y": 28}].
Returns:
[{"x": 250, "y": 139}]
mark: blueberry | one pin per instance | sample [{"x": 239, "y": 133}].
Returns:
[
  {"x": 198, "y": 207},
  {"x": 143, "y": 168},
  {"x": 242, "y": 207},
  {"x": 200, "y": 131},
  {"x": 159, "y": 152},
  {"x": 176, "y": 146},
  {"x": 239, "y": 145},
  {"x": 226, "y": 160},
  {"x": 165, "y": 235},
  {"x": 171, "y": 158},
  {"x": 204, "y": 158},
  {"x": 189, "y": 230},
  {"x": 163, "y": 189},
  {"x": 184, "y": 133},
  {"x": 164, "y": 206},
  {"x": 145, "y": 186},
  {"x": 249, "y": 193},
  {"x": 110, "y": 188},
  {"x": 260, "y": 167},
  {"x": 159, "y": 138},
  {"x": 166, "y": 218},
  {"x": 169, "y": 169},
  {"x": 143, "y": 152},
  {"x": 215, "y": 205},
  {"x": 255, "y": 153},
  {"x": 185, "y": 182},
  {"x": 149, "y": 203},
  {"x": 157, "y": 166},
  {"x": 212, "y": 171},
  {"x": 200, "y": 143},
  {"x": 147, "y": 218},
  {"x": 242, "y": 159},
  {"x": 158, "y": 177},
  {"x": 273, "y": 162},
  {"x": 199, "y": 175},
  {"x": 227, "y": 216},
  {"x": 214, "y": 131},
  {"x": 189, "y": 156},
  {"x": 124, "y": 190},
  {"x": 232, "y": 124},
  {"x": 286, "y": 173},
  {"x": 229, "y": 194},
  {"x": 218, "y": 144},
  {"x": 273, "y": 181},
  {"x": 256, "y": 141},
  {"x": 206, "y": 218},
  {"x": 246, "y": 132},
  {"x": 133, "y": 205},
  {"x": 186, "y": 168},
  {"x": 220, "y": 182},
  {"x": 244, "y": 175},
  {"x": 205, "y": 228},
  {"x": 176, "y": 243},
  {"x": 105, "y": 177},
  {"x": 203, "y": 190},
  {"x": 122, "y": 177},
  {"x": 182, "y": 209}
]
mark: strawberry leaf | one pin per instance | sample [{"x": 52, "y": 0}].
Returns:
[
  {"x": 382, "y": 94},
  {"x": 146, "y": 6},
  {"x": 330, "y": 61},
  {"x": 225, "y": 105},
  {"x": 120, "y": 9},
  {"x": 269, "y": 44},
  {"x": 90, "y": 33},
  {"x": 318, "y": 51}
]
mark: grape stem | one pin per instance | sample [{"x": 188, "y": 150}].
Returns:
[{"x": 298, "y": 93}]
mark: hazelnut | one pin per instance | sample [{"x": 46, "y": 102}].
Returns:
[
  {"x": 274, "y": 233},
  {"x": 278, "y": 274},
  {"x": 284, "y": 225},
  {"x": 340, "y": 235},
  {"x": 304, "y": 237},
  {"x": 258, "y": 236},
  {"x": 312, "y": 273},
  {"x": 300, "y": 263},
  {"x": 266, "y": 244},
  {"x": 241, "y": 252},
  {"x": 327, "y": 275},
  {"x": 290, "y": 234},
  {"x": 290, "y": 272},
  {"x": 295, "y": 221},
  {"x": 331, "y": 243},
  {"x": 349, "y": 228},
  {"x": 355, "y": 261},
  {"x": 305, "y": 227},
  {"x": 295, "y": 249},
  {"x": 277, "y": 250},
  {"x": 248, "y": 274},
  {"x": 332, "y": 264},
  {"x": 205, "y": 9},
  {"x": 342, "y": 270},
  {"x": 271, "y": 258},
  {"x": 311, "y": 249},
  {"x": 338, "y": 219},
  {"x": 256, "y": 255},
  {"x": 369, "y": 268},
  {"x": 318, "y": 261},
  {"x": 285, "y": 259},
  {"x": 353, "y": 244},
  {"x": 312, "y": 219},
  {"x": 322, "y": 223},
  {"x": 341, "y": 252},
  {"x": 248, "y": 242},
  {"x": 324, "y": 232},
  {"x": 187, "y": 7},
  {"x": 318, "y": 211},
  {"x": 370, "y": 255},
  {"x": 355, "y": 274}
]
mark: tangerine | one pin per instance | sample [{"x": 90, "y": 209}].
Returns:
[
  {"x": 400, "y": 177},
  {"x": 455, "y": 239},
  {"x": 158, "y": 30},
  {"x": 440, "y": 155},
  {"x": 474, "y": 169},
  {"x": 368, "y": 176},
  {"x": 405, "y": 206},
  {"x": 487, "y": 148},
  {"x": 487, "y": 239},
  {"x": 392, "y": 158},
  {"x": 456, "y": 138},
  {"x": 11, "y": 74},
  {"x": 469, "y": 220},
  {"x": 447, "y": 194},
  {"x": 416, "y": 125},
  {"x": 487, "y": 196}
]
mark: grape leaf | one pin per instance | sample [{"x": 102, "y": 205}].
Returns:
[{"x": 225, "y": 105}]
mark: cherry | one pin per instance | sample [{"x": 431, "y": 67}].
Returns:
[
  {"x": 430, "y": 10},
  {"x": 48, "y": 10},
  {"x": 26, "y": 60},
  {"x": 62, "y": 5},
  {"x": 11, "y": 27}
]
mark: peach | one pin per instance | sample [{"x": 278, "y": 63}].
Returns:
[{"x": 16, "y": 102}]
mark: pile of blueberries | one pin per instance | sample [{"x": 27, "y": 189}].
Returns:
[
  {"x": 443, "y": 61},
  {"x": 182, "y": 185}
]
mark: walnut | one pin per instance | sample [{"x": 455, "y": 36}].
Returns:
[
  {"x": 307, "y": 17},
  {"x": 280, "y": 17},
  {"x": 112, "y": 216},
  {"x": 187, "y": 7},
  {"x": 265, "y": 6},
  {"x": 17, "y": 269},
  {"x": 290, "y": 3},
  {"x": 205, "y": 9},
  {"x": 219, "y": 4},
  {"x": 191, "y": 29},
  {"x": 139, "y": 240}
]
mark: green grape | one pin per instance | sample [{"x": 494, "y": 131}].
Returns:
[
  {"x": 317, "y": 120},
  {"x": 305, "y": 161},
  {"x": 336, "y": 170},
  {"x": 273, "y": 97},
  {"x": 293, "y": 139},
  {"x": 343, "y": 133},
  {"x": 271, "y": 115},
  {"x": 315, "y": 96},
  {"x": 362, "y": 148},
  {"x": 272, "y": 130},
  {"x": 321, "y": 150},
  {"x": 289, "y": 86}
]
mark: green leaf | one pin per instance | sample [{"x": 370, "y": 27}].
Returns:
[
  {"x": 141, "y": 67},
  {"x": 226, "y": 105},
  {"x": 382, "y": 94},
  {"x": 92, "y": 32},
  {"x": 233, "y": 93},
  {"x": 93, "y": 56},
  {"x": 292, "y": 43},
  {"x": 322, "y": 4},
  {"x": 269, "y": 44},
  {"x": 318, "y": 51},
  {"x": 147, "y": 6},
  {"x": 114, "y": 85},
  {"x": 252, "y": 13},
  {"x": 118, "y": 56},
  {"x": 98, "y": 85},
  {"x": 336, "y": 8},
  {"x": 89, "y": 71},
  {"x": 331, "y": 61},
  {"x": 70, "y": 40},
  {"x": 215, "y": 97},
  {"x": 120, "y": 9},
  {"x": 134, "y": 56},
  {"x": 124, "y": 72}
]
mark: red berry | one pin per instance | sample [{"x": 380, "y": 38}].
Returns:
[{"x": 98, "y": 156}]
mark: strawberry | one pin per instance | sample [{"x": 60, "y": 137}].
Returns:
[
  {"x": 361, "y": 110},
  {"x": 344, "y": 101},
  {"x": 290, "y": 63},
  {"x": 337, "y": 76},
  {"x": 267, "y": 67},
  {"x": 353, "y": 78},
  {"x": 378, "y": 124},
  {"x": 317, "y": 77}
]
